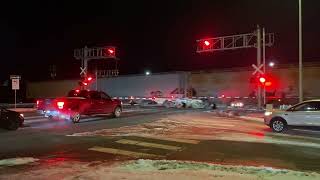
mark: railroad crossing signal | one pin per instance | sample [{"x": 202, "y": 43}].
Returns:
[
  {"x": 257, "y": 69},
  {"x": 86, "y": 54},
  {"x": 239, "y": 41}
]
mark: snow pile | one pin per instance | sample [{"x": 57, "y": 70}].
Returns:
[
  {"x": 156, "y": 170},
  {"x": 152, "y": 165},
  {"x": 17, "y": 161},
  {"x": 186, "y": 126},
  {"x": 197, "y": 126}
]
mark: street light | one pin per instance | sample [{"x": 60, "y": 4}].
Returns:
[
  {"x": 300, "y": 54},
  {"x": 147, "y": 73},
  {"x": 271, "y": 64}
]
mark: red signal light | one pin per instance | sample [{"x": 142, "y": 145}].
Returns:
[
  {"x": 77, "y": 90},
  {"x": 85, "y": 83},
  {"x": 111, "y": 51},
  {"x": 268, "y": 83},
  {"x": 207, "y": 43},
  {"x": 262, "y": 79},
  {"x": 89, "y": 78}
]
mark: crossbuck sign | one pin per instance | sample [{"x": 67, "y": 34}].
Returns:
[{"x": 257, "y": 69}]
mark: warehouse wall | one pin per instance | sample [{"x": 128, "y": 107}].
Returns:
[
  {"x": 235, "y": 82},
  {"x": 140, "y": 85},
  {"x": 50, "y": 89},
  {"x": 134, "y": 85},
  {"x": 230, "y": 82}
]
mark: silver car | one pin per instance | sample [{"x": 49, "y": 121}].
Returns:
[{"x": 306, "y": 113}]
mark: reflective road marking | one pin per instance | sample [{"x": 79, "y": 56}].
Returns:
[
  {"x": 147, "y": 144},
  {"x": 124, "y": 152}
]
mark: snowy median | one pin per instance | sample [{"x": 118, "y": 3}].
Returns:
[{"x": 157, "y": 170}]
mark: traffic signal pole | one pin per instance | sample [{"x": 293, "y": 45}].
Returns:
[
  {"x": 259, "y": 63},
  {"x": 264, "y": 61},
  {"x": 241, "y": 41}
]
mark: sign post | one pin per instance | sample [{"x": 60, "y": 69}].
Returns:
[{"x": 15, "y": 79}]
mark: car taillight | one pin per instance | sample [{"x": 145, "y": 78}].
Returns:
[{"x": 60, "y": 105}]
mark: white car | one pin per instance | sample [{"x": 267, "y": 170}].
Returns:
[{"x": 306, "y": 113}]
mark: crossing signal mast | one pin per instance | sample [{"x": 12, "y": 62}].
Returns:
[
  {"x": 241, "y": 41},
  {"x": 86, "y": 54}
]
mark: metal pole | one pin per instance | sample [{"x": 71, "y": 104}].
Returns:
[
  {"x": 264, "y": 61},
  {"x": 259, "y": 63},
  {"x": 186, "y": 77},
  {"x": 15, "y": 99},
  {"x": 300, "y": 54},
  {"x": 96, "y": 78}
]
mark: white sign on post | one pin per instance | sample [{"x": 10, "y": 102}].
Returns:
[
  {"x": 15, "y": 84},
  {"x": 15, "y": 79}
]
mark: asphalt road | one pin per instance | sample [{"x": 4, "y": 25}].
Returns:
[{"x": 236, "y": 141}]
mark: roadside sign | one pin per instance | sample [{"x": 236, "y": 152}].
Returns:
[
  {"x": 15, "y": 84},
  {"x": 257, "y": 69},
  {"x": 15, "y": 79}
]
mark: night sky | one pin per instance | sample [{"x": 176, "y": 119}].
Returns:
[{"x": 156, "y": 35}]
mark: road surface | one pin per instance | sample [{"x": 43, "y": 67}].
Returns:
[{"x": 159, "y": 134}]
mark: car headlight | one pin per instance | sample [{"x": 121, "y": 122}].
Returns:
[{"x": 267, "y": 113}]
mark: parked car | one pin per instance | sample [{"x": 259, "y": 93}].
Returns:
[
  {"x": 306, "y": 114},
  {"x": 10, "y": 120},
  {"x": 81, "y": 102}
]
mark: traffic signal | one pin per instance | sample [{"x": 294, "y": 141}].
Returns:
[
  {"x": 207, "y": 43},
  {"x": 262, "y": 80},
  {"x": 265, "y": 80},
  {"x": 89, "y": 78},
  {"x": 85, "y": 81},
  {"x": 110, "y": 51}
]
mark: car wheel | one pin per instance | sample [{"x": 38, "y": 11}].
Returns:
[
  {"x": 76, "y": 117},
  {"x": 117, "y": 112},
  {"x": 13, "y": 125},
  {"x": 278, "y": 125}
]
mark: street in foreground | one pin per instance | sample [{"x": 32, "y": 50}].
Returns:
[{"x": 159, "y": 143}]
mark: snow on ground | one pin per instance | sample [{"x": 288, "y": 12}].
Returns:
[
  {"x": 156, "y": 170},
  {"x": 17, "y": 161},
  {"x": 199, "y": 126}
]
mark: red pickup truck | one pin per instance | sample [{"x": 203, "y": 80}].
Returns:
[{"x": 80, "y": 102}]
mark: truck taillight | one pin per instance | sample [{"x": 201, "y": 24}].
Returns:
[
  {"x": 60, "y": 105},
  {"x": 38, "y": 102}
]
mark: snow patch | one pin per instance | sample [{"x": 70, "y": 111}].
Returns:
[
  {"x": 17, "y": 161},
  {"x": 173, "y": 165},
  {"x": 156, "y": 170}
]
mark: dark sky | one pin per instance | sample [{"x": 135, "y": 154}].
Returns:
[{"x": 156, "y": 35}]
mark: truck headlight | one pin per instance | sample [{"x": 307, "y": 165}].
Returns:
[{"x": 267, "y": 113}]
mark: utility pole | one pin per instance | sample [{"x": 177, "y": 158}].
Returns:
[
  {"x": 259, "y": 62},
  {"x": 300, "y": 54},
  {"x": 264, "y": 61}
]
